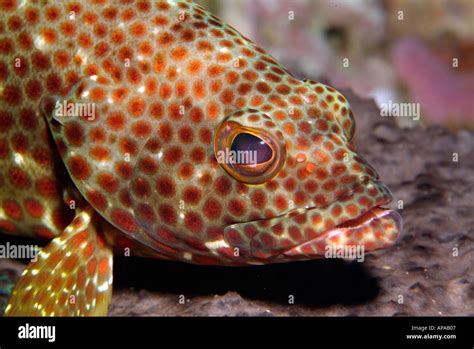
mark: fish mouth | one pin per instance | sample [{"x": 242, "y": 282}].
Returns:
[{"x": 374, "y": 228}]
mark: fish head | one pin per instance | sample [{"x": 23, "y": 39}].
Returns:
[
  {"x": 253, "y": 187},
  {"x": 301, "y": 178}
]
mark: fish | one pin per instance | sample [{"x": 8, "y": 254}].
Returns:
[{"x": 153, "y": 128}]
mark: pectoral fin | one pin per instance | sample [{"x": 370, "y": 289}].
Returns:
[{"x": 71, "y": 276}]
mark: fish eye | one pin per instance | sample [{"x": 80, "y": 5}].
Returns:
[{"x": 250, "y": 155}]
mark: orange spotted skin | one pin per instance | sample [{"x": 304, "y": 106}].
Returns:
[{"x": 169, "y": 82}]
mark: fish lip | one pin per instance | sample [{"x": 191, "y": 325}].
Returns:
[{"x": 377, "y": 212}]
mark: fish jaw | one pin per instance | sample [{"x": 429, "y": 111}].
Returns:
[
  {"x": 307, "y": 233},
  {"x": 376, "y": 229}
]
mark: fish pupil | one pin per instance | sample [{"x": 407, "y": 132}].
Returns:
[{"x": 255, "y": 148}]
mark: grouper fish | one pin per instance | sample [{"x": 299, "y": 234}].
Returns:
[{"x": 152, "y": 127}]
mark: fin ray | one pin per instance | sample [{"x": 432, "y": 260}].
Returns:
[{"x": 72, "y": 275}]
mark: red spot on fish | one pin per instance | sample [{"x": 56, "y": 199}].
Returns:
[
  {"x": 167, "y": 214},
  {"x": 124, "y": 220},
  {"x": 79, "y": 167}
]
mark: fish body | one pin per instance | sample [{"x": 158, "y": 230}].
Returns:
[{"x": 155, "y": 127}]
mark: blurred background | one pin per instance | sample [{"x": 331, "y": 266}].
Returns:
[{"x": 402, "y": 51}]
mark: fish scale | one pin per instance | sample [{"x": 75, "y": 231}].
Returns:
[{"x": 118, "y": 111}]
